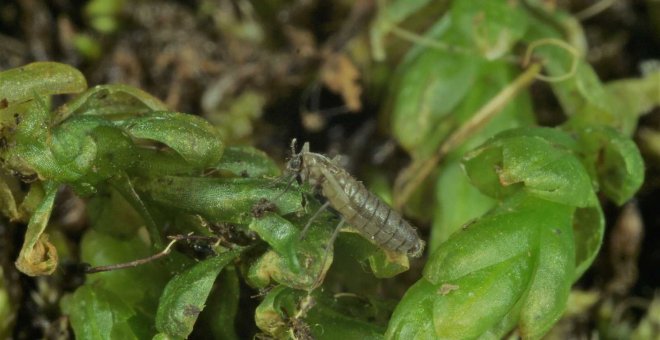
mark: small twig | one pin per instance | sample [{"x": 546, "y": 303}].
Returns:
[
  {"x": 421, "y": 40},
  {"x": 412, "y": 177},
  {"x": 428, "y": 42},
  {"x": 594, "y": 9},
  {"x": 135, "y": 263}
]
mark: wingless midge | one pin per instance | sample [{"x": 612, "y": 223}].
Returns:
[{"x": 373, "y": 219}]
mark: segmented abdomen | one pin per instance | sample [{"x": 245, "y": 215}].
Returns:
[{"x": 372, "y": 217}]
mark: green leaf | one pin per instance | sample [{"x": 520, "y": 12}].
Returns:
[
  {"x": 111, "y": 101},
  {"x": 392, "y": 13},
  {"x": 220, "y": 313},
  {"x": 91, "y": 148},
  {"x": 493, "y": 26},
  {"x": 280, "y": 234},
  {"x": 39, "y": 79},
  {"x": 459, "y": 308},
  {"x": 613, "y": 161},
  {"x": 8, "y": 307},
  {"x": 9, "y": 193},
  {"x": 96, "y": 313},
  {"x": 355, "y": 247},
  {"x": 513, "y": 266},
  {"x": 638, "y": 95},
  {"x": 185, "y": 295},
  {"x": 221, "y": 199},
  {"x": 588, "y": 230},
  {"x": 294, "y": 262},
  {"x": 193, "y": 138},
  {"x": 534, "y": 160},
  {"x": 412, "y": 318},
  {"x": 30, "y": 153},
  {"x": 286, "y": 312},
  {"x": 99, "y": 249},
  {"x": 429, "y": 85},
  {"x": 247, "y": 161},
  {"x": 453, "y": 187},
  {"x": 433, "y": 83}
]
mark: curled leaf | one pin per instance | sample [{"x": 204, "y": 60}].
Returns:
[
  {"x": 294, "y": 262},
  {"x": 192, "y": 137},
  {"x": 613, "y": 161},
  {"x": 111, "y": 101},
  {"x": 534, "y": 160},
  {"x": 44, "y": 78},
  {"x": 40, "y": 259},
  {"x": 37, "y": 255}
]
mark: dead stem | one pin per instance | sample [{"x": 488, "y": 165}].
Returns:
[{"x": 134, "y": 263}]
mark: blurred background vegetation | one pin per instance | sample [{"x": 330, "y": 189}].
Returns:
[{"x": 264, "y": 72}]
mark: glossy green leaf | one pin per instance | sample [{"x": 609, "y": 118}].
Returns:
[
  {"x": 185, "y": 295},
  {"x": 197, "y": 141},
  {"x": 516, "y": 262},
  {"x": 30, "y": 154},
  {"x": 280, "y": 234},
  {"x": 532, "y": 160},
  {"x": 247, "y": 161},
  {"x": 220, "y": 199},
  {"x": 92, "y": 148},
  {"x": 413, "y": 316},
  {"x": 458, "y": 307},
  {"x": 112, "y": 101},
  {"x": 40, "y": 78}
]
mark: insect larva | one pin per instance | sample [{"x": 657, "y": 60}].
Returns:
[{"x": 373, "y": 218}]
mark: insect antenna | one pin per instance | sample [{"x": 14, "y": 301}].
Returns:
[{"x": 291, "y": 172}]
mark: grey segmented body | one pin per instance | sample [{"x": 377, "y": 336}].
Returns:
[{"x": 373, "y": 218}]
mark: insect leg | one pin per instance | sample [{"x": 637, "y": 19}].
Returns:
[
  {"x": 303, "y": 233},
  {"x": 328, "y": 247},
  {"x": 288, "y": 186}
]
